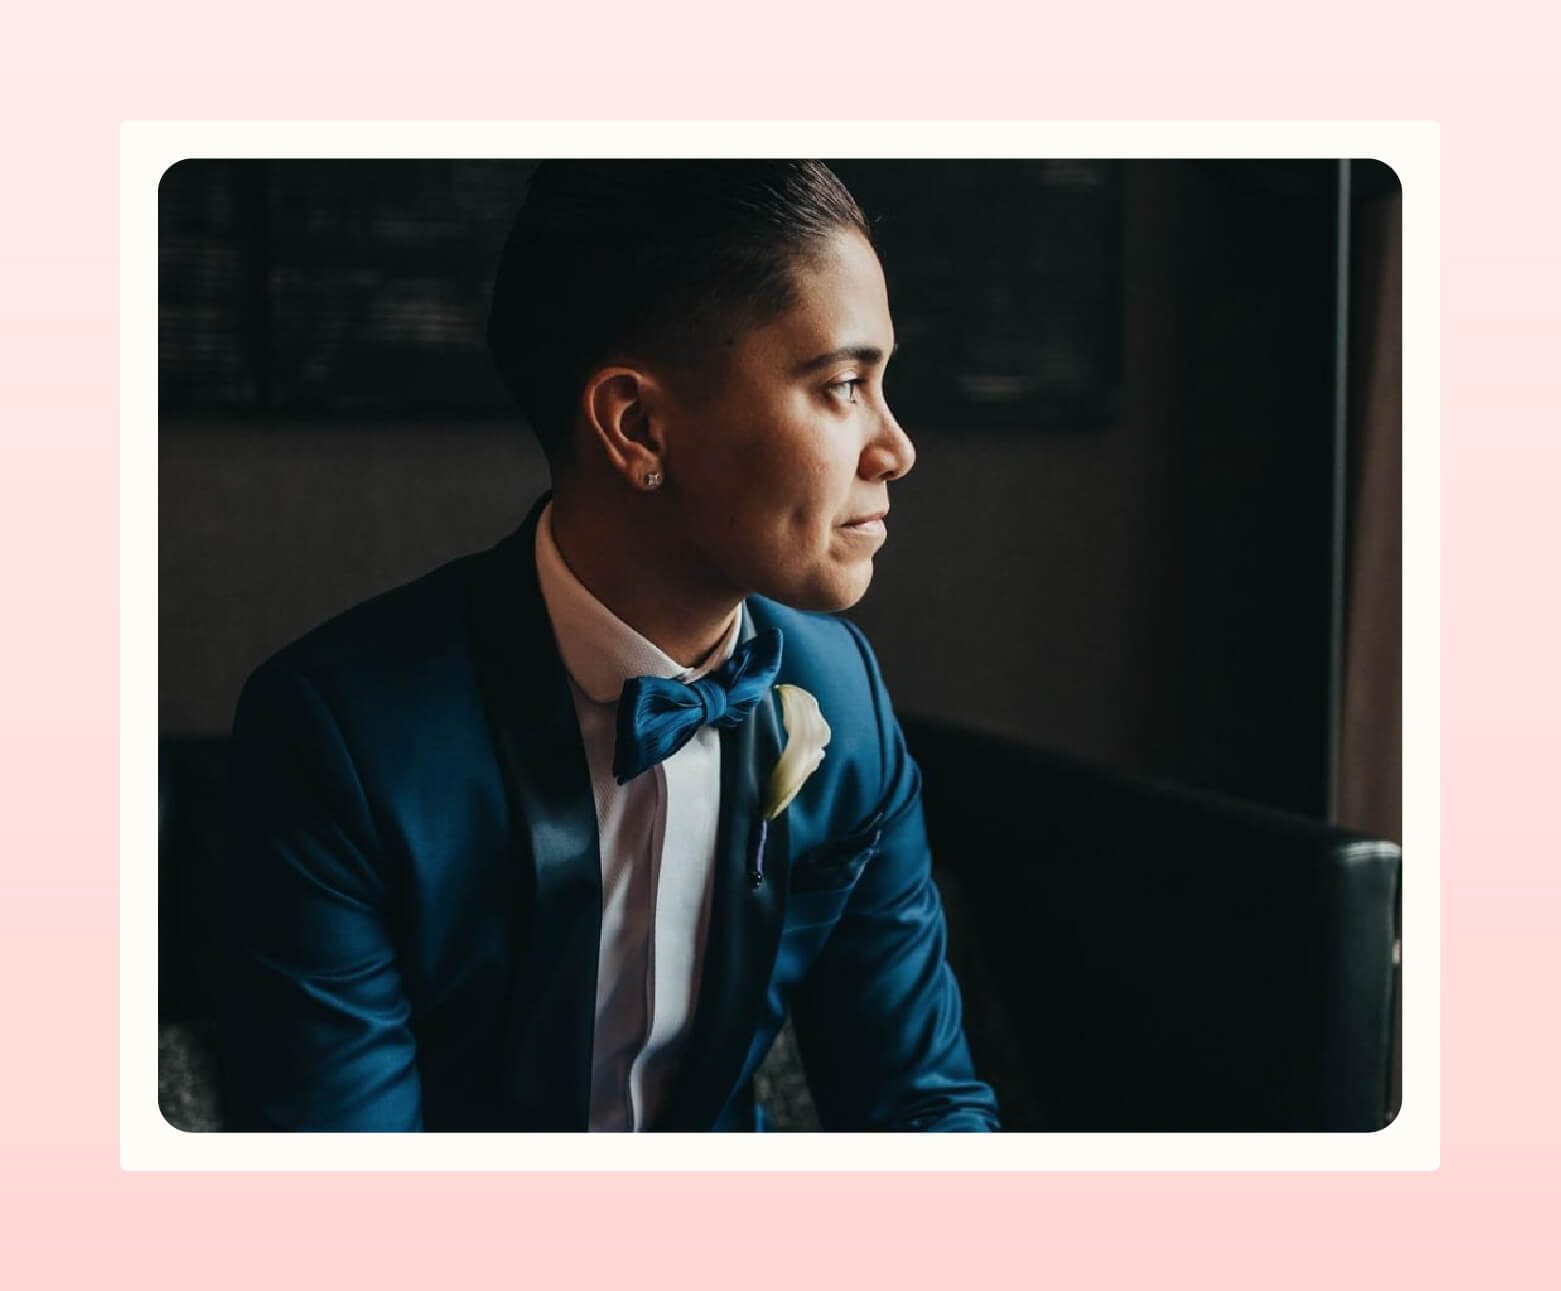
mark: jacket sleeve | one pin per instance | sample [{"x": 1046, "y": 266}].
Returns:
[
  {"x": 878, "y": 1017},
  {"x": 315, "y": 1030}
]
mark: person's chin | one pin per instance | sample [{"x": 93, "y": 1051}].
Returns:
[
  {"x": 831, "y": 590},
  {"x": 845, "y": 588}
]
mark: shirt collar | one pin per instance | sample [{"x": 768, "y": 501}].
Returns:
[{"x": 599, "y": 650}]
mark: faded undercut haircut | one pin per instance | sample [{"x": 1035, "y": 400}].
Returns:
[{"x": 651, "y": 260}]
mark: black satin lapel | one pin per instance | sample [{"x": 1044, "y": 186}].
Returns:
[
  {"x": 744, "y": 929},
  {"x": 557, "y": 868}
]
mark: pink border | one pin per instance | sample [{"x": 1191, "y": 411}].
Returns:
[{"x": 69, "y": 1215}]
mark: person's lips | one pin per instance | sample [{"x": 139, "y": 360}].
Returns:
[{"x": 871, "y": 523}]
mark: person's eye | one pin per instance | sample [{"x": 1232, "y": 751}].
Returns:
[{"x": 845, "y": 389}]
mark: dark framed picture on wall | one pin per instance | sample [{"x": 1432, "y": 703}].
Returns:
[{"x": 335, "y": 287}]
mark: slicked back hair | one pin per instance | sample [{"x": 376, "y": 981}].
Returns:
[{"x": 649, "y": 259}]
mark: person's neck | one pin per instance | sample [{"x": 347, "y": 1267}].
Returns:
[{"x": 624, "y": 560}]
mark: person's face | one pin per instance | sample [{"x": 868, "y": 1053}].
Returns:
[{"x": 780, "y": 464}]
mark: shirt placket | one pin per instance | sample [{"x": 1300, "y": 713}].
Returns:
[{"x": 655, "y": 845}]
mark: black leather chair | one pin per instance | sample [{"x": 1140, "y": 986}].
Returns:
[
  {"x": 1164, "y": 960},
  {"x": 1132, "y": 956}
]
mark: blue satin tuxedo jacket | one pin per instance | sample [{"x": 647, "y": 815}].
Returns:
[{"x": 413, "y": 888}]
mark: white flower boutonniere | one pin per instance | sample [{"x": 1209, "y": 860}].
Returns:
[{"x": 806, "y": 735}]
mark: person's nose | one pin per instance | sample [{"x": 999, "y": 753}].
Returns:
[{"x": 889, "y": 454}]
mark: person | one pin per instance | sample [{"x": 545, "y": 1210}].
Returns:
[{"x": 558, "y": 835}]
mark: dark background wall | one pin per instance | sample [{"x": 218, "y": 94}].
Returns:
[{"x": 1150, "y": 591}]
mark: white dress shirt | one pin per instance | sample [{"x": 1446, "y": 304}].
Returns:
[{"x": 657, "y": 838}]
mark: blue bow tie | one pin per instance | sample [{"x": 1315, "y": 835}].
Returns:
[{"x": 657, "y": 716}]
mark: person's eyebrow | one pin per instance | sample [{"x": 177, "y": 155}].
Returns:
[{"x": 861, "y": 353}]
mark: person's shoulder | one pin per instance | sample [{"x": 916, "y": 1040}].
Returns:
[
  {"x": 392, "y": 638},
  {"x": 824, "y": 653},
  {"x": 808, "y": 635}
]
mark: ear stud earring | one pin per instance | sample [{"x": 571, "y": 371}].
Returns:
[{"x": 652, "y": 479}]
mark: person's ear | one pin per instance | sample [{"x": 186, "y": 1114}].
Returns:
[{"x": 623, "y": 414}]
